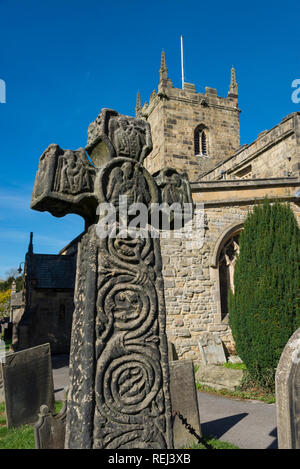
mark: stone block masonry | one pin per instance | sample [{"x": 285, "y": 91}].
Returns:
[
  {"x": 175, "y": 115},
  {"x": 192, "y": 281}
]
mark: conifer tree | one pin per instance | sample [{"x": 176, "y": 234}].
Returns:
[{"x": 264, "y": 311}]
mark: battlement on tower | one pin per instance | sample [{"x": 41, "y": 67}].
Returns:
[{"x": 191, "y": 131}]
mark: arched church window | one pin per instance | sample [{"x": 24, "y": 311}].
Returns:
[
  {"x": 203, "y": 143},
  {"x": 200, "y": 141},
  {"x": 227, "y": 260}
]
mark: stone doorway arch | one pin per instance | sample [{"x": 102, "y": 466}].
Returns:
[{"x": 222, "y": 263}]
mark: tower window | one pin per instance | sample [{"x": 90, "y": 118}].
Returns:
[
  {"x": 200, "y": 141},
  {"x": 203, "y": 143}
]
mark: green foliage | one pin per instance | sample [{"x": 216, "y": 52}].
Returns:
[
  {"x": 20, "y": 437},
  {"x": 6, "y": 284},
  {"x": 5, "y": 293},
  {"x": 264, "y": 311},
  {"x": 235, "y": 366},
  {"x": 4, "y": 303},
  {"x": 215, "y": 443},
  {"x": 17, "y": 438},
  {"x": 245, "y": 391}
]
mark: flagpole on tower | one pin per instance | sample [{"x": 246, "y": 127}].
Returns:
[{"x": 182, "y": 71}]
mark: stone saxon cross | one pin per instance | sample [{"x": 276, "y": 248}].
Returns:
[{"x": 119, "y": 377}]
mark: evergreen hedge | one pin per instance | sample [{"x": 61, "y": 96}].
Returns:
[{"x": 264, "y": 310}]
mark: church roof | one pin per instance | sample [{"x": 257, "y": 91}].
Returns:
[{"x": 52, "y": 270}]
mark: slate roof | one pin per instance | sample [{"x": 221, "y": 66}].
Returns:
[{"x": 52, "y": 270}]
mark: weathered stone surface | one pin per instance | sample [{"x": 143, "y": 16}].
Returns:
[
  {"x": 269, "y": 156},
  {"x": 174, "y": 114},
  {"x": 49, "y": 431},
  {"x": 64, "y": 181},
  {"x": 119, "y": 376},
  {"x": 172, "y": 355},
  {"x": 234, "y": 359},
  {"x": 174, "y": 191},
  {"x": 218, "y": 377},
  {"x": 184, "y": 400},
  {"x": 238, "y": 179},
  {"x": 212, "y": 350},
  {"x": 28, "y": 383},
  {"x": 287, "y": 382},
  {"x": 2, "y": 398},
  {"x": 47, "y": 310}
]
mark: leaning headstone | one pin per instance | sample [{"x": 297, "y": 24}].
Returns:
[
  {"x": 119, "y": 391},
  {"x": 212, "y": 350},
  {"x": 184, "y": 402},
  {"x": 50, "y": 430},
  {"x": 287, "y": 384},
  {"x": 172, "y": 354},
  {"x": 28, "y": 384}
]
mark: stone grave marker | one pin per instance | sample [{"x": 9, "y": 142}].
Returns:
[
  {"x": 50, "y": 430},
  {"x": 212, "y": 350},
  {"x": 119, "y": 391},
  {"x": 28, "y": 384},
  {"x": 184, "y": 400},
  {"x": 172, "y": 354},
  {"x": 287, "y": 385},
  {"x": 3, "y": 354}
]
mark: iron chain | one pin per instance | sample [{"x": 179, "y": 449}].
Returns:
[{"x": 191, "y": 430}]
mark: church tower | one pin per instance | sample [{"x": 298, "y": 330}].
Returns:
[{"x": 191, "y": 131}]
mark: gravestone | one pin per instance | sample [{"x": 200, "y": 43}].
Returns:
[
  {"x": 50, "y": 430},
  {"x": 172, "y": 354},
  {"x": 28, "y": 383},
  {"x": 1, "y": 384},
  {"x": 212, "y": 350},
  {"x": 287, "y": 385},
  {"x": 3, "y": 354},
  {"x": 119, "y": 376},
  {"x": 184, "y": 400}
]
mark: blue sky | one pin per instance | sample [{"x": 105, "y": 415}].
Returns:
[{"x": 62, "y": 61}]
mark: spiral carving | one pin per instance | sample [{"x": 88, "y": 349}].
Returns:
[
  {"x": 130, "y": 383},
  {"x": 119, "y": 392}
]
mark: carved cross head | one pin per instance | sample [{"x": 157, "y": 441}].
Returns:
[
  {"x": 114, "y": 135},
  {"x": 68, "y": 182}
]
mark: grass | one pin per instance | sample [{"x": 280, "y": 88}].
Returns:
[
  {"x": 256, "y": 394},
  {"x": 248, "y": 389},
  {"x": 15, "y": 438},
  {"x": 20, "y": 437},
  {"x": 216, "y": 444},
  {"x": 235, "y": 366},
  {"x": 8, "y": 344},
  {"x": 23, "y": 437}
]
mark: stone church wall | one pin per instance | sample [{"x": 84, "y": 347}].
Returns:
[
  {"x": 49, "y": 320},
  {"x": 275, "y": 153},
  {"x": 192, "y": 281},
  {"x": 173, "y": 122}
]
